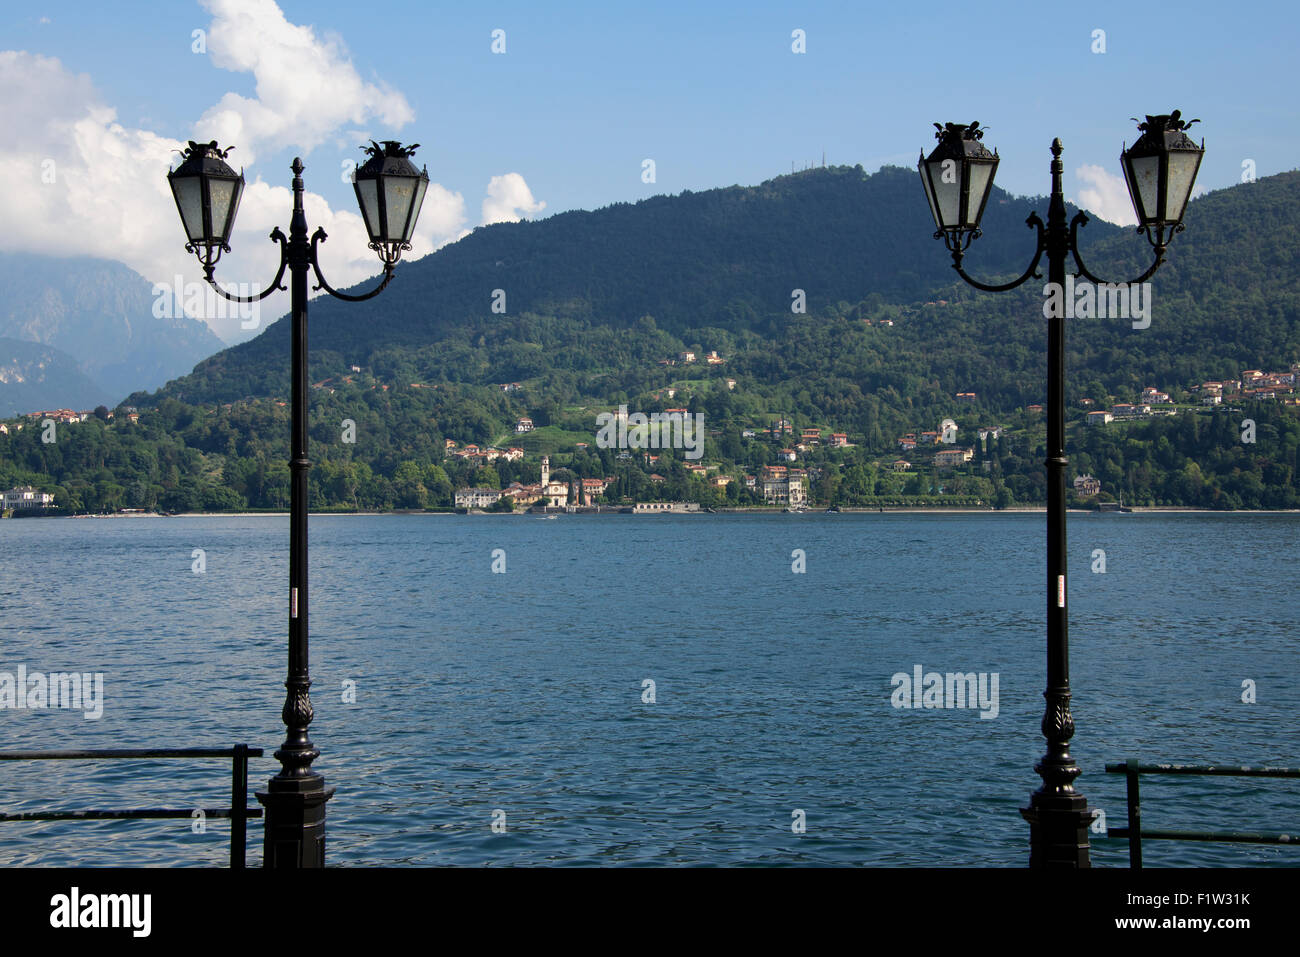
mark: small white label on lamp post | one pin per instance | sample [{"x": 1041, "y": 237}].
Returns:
[
  {"x": 1060, "y": 593},
  {"x": 293, "y": 603}
]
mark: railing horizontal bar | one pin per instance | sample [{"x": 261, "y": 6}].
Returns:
[
  {"x": 1243, "y": 772},
  {"x": 125, "y": 753},
  {"x": 237, "y": 813},
  {"x": 1225, "y": 837},
  {"x": 141, "y": 813}
]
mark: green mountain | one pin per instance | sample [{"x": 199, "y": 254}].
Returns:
[
  {"x": 717, "y": 270},
  {"x": 724, "y": 259}
]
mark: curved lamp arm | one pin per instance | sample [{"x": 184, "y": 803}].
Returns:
[
  {"x": 319, "y": 237},
  {"x": 1033, "y": 222},
  {"x": 1160, "y": 244},
  {"x": 276, "y": 236}
]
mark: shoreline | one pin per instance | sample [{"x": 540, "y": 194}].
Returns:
[{"x": 740, "y": 510}]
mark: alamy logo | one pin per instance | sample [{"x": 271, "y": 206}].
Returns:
[
  {"x": 36, "y": 691},
  {"x": 200, "y": 301},
  {"x": 930, "y": 689},
  {"x": 75, "y": 909},
  {"x": 1106, "y": 301},
  {"x": 656, "y": 431}
]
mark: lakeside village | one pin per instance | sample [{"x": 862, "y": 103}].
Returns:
[
  {"x": 788, "y": 485},
  {"x": 932, "y": 462}
]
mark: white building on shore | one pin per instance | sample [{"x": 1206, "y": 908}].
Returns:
[
  {"x": 26, "y": 497},
  {"x": 477, "y": 497}
]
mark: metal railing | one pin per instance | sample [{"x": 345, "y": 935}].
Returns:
[
  {"x": 1131, "y": 769},
  {"x": 238, "y": 812}
]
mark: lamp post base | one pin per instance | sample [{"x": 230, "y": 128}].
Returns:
[
  {"x": 295, "y": 821},
  {"x": 1058, "y": 831}
]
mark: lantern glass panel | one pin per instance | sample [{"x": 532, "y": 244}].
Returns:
[
  {"x": 421, "y": 185},
  {"x": 1182, "y": 173},
  {"x": 223, "y": 198},
  {"x": 368, "y": 193},
  {"x": 981, "y": 178},
  {"x": 1145, "y": 185},
  {"x": 189, "y": 200},
  {"x": 929, "y": 194},
  {"x": 947, "y": 194},
  {"x": 399, "y": 193}
]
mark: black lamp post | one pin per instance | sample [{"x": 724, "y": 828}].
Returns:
[
  {"x": 390, "y": 191},
  {"x": 1160, "y": 169}
]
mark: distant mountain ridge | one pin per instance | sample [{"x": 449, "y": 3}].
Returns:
[
  {"x": 101, "y": 314},
  {"x": 36, "y": 377}
]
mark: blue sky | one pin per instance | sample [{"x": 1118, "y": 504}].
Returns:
[{"x": 585, "y": 92}]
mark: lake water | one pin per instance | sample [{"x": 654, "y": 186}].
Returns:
[{"x": 523, "y": 691}]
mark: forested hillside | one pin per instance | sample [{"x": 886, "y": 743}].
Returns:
[{"x": 600, "y": 306}]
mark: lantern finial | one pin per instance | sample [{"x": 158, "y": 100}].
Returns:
[
  {"x": 390, "y": 148},
  {"x": 206, "y": 149},
  {"x": 1161, "y": 122}
]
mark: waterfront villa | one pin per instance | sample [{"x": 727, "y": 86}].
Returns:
[
  {"x": 1086, "y": 485},
  {"x": 779, "y": 487},
  {"x": 477, "y": 497},
  {"x": 26, "y": 497}
]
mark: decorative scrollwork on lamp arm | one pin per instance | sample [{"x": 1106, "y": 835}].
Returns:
[
  {"x": 209, "y": 267},
  {"x": 1160, "y": 244},
  {"x": 319, "y": 237},
  {"x": 958, "y": 249}
]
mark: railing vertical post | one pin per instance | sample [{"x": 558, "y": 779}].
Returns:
[
  {"x": 1134, "y": 814},
  {"x": 238, "y": 806}
]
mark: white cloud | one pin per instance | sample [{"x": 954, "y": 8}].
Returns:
[
  {"x": 89, "y": 186},
  {"x": 508, "y": 200},
  {"x": 1105, "y": 195},
  {"x": 94, "y": 187},
  {"x": 306, "y": 86}
]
